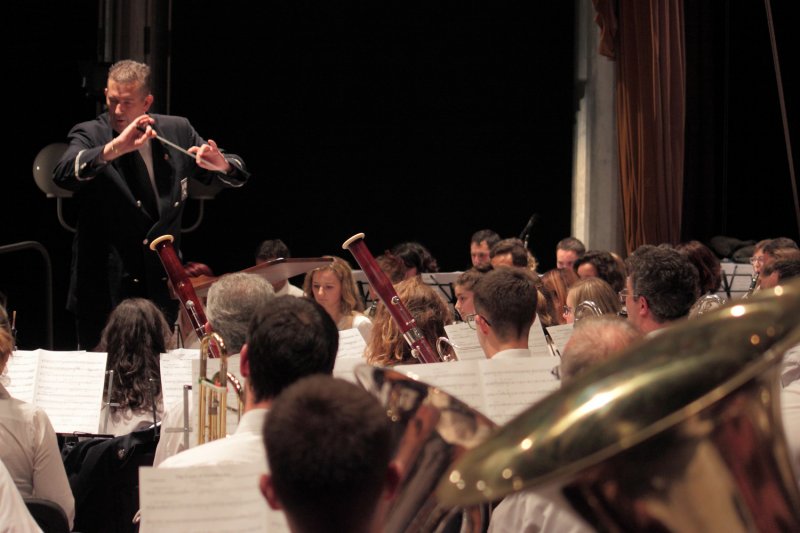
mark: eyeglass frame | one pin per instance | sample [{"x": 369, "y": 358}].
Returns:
[
  {"x": 470, "y": 320},
  {"x": 624, "y": 293}
]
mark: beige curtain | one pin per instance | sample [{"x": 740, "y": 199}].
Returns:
[{"x": 646, "y": 39}]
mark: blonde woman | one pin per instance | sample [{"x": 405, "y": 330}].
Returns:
[{"x": 333, "y": 287}]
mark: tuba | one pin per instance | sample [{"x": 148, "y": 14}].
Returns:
[
  {"x": 431, "y": 430},
  {"x": 680, "y": 433}
]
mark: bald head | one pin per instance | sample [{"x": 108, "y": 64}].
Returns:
[{"x": 594, "y": 341}]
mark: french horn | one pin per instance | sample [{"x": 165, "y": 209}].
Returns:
[{"x": 682, "y": 432}]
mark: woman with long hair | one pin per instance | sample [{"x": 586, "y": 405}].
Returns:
[
  {"x": 334, "y": 288},
  {"x": 135, "y": 336}
]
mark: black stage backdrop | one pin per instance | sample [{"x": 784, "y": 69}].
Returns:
[{"x": 407, "y": 121}]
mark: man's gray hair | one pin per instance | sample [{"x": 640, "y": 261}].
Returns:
[
  {"x": 129, "y": 71},
  {"x": 232, "y": 301},
  {"x": 595, "y": 340}
]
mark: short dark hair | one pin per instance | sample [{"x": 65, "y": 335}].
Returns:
[
  {"x": 513, "y": 246},
  {"x": 787, "y": 266},
  {"x": 491, "y": 237},
  {"x": 506, "y": 297},
  {"x": 469, "y": 278},
  {"x": 272, "y": 249},
  {"x": 328, "y": 447},
  {"x": 289, "y": 338},
  {"x": 128, "y": 71},
  {"x": 607, "y": 267},
  {"x": 706, "y": 263},
  {"x": 668, "y": 281},
  {"x": 415, "y": 255},
  {"x": 571, "y": 244},
  {"x": 778, "y": 243}
]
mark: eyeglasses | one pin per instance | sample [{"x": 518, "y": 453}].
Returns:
[
  {"x": 756, "y": 259},
  {"x": 470, "y": 320},
  {"x": 624, "y": 293}
]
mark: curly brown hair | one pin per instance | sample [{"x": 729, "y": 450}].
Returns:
[
  {"x": 387, "y": 346},
  {"x": 135, "y": 336}
]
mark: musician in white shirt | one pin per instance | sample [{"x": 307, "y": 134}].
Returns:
[
  {"x": 28, "y": 446},
  {"x": 270, "y": 250},
  {"x": 14, "y": 515},
  {"x": 505, "y": 307},
  {"x": 288, "y": 338}
]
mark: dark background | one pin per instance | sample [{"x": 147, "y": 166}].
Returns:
[{"x": 407, "y": 121}]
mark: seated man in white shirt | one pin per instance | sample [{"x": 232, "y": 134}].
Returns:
[
  {"x": 329, "y": 457},
  {"x": 288, "y": 338},
  {"x": 505, "y": 307},
  {"x": 276, "y": 249},
  {"x": 595, "y": 340},
  {"x": 232, "y": 301}
]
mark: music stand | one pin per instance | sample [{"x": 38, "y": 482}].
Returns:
[{"x": 736, "y": 279}]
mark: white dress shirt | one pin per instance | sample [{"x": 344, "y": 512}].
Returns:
[
  {"x": 14, "y": 515},
  {"x": 246, "y": 446},
  {"x": 512, "y": 353},
  {"x": 29, "y": 450},
  {"x": 530, "y": 512}
]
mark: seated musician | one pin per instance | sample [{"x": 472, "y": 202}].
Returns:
[
  {"x": 14, "y": 514},
  {"x": 660, "y": 288},
  {"x": 232, "y": 301},
  {"x": 417, "y": 259},
  {"x": 464, "y": 291},
  {"x": 135, "y": 336},
  {"x": 601, "y": 264},
  {"x": 28, "y": 445},
  {"x": 593, "y": 342},
  {"x": 387, "y": 347},
  {"x": 505, "y": 306},
  {"x": 288, "y": 338},
  {"x": 558, "y": 282},
  {"x": 328, "y": 444},
  {"x": 568, "y": 251},
  {"x": 512, "y": 252},
  {"x": 334, "y": 288},
  {"x": 706, "y": 263},
  {"x": 275, "y": 249},
  {"x": 594, "y": 290},
  {"x": 480, "y": 245}
]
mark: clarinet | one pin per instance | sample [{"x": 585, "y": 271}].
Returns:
[{"x": 420, "y": 346}]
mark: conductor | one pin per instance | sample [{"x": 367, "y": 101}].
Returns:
[{"x": 130, "y": 188}]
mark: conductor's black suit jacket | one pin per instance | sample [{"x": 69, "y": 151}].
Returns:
[{"x": 118, "y": 214}]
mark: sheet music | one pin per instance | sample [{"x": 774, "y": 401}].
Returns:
[
  {"x": 343, "y": 368},
  {"x": 351, "y": 344},
  {"x": 537, "y": 343},
  {"x": 560, "y": 335},
  {"x": 176, "y": 371},
  {"x": 466, "y": 340},
  {"x": 500, "y": 388},
  {"x": 171, "y": 502},
  {"x": 512, "y": 385},
  {"x": 68, "y": 386}
]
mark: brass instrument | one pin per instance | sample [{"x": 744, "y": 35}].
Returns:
[
  {"x": 586, "y": 309},
  {"x": 681, "y": 433},
  {"x": 213, "y": 393},
  {"x": 705, "y": 304},
  {"x": 432, "y": 430}
]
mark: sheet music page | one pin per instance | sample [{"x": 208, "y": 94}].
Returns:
[
  {"x": 460, "y": 379},
  {"x": 560, "y": 335},
  {"x": 176, "y": 371},
  {"x": 537, "y": 343},
  {"x": 343, "y": 368},
  {"x": 351, "y": 344},
  {"x": 466, "y": 340},
  {"x": 69, "y": 389},
  {"x": 223, "y": 499},
  {"x": 512, "y": 385},
  {"x": 22, "y": 368}
]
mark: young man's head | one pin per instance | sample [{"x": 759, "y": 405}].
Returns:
[
  {"x": 273, "y": 249},
  {"x": 480, "y": 245},
  {"x": 505, "y": 303},
  {"x": 509, "y": 252},
  {"x": 288, "y": 339},
  {"x": 568, "y": 251},
  {"x": 464, "y": 289},
  {"x": 661, "y": 287},
  {"x": 329, "y": 449}
]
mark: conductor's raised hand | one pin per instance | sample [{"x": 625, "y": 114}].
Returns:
[
  {"x": 209, "y": 157},
  {"x": 131, "y": 138}
]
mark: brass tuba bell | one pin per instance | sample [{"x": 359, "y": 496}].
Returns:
[{"x": 681, "y": 433}]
